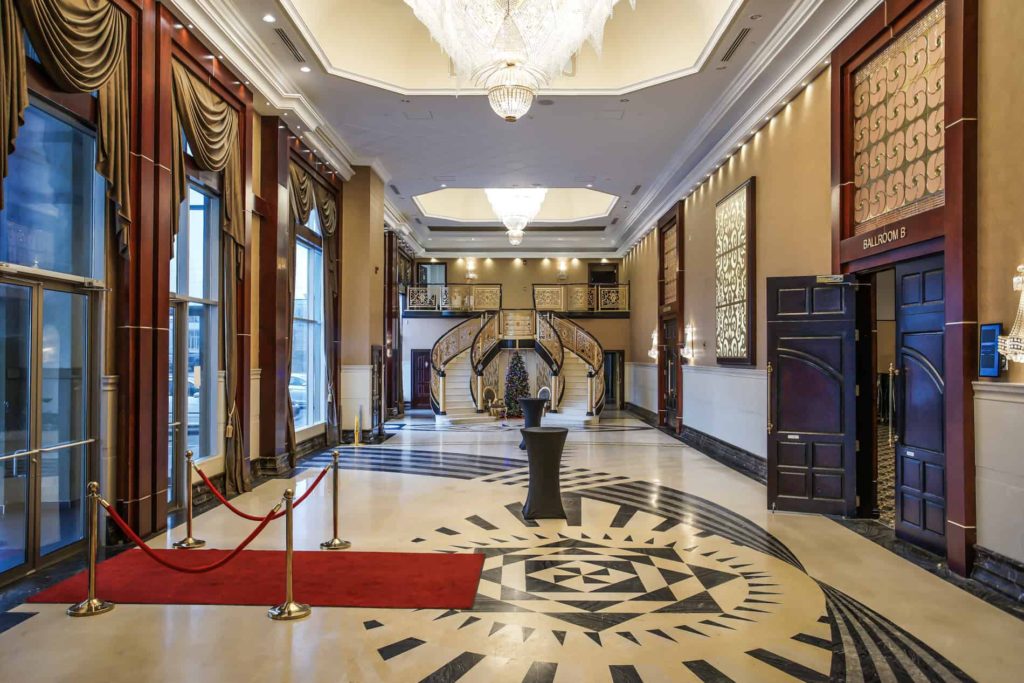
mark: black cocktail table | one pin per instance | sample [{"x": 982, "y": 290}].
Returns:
[
  {"x": 544, "y": 449},
  {"x": 533, "y": 409}
]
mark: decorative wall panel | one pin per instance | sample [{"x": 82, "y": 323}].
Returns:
[
  {"x": 670, "y": 265},
  {"x": 899, "y": 126},
  {"x": 734, "y": 276}
]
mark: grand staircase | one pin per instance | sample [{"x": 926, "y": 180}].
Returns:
[{"x": 574, "y": 358}]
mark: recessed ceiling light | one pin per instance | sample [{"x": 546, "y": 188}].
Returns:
[
  {"x": 220, "y": 56},
  {"x": 590, "y": 184},
  {"x": 179, "y": 26},
  {"x": 269, "y": 18},
  {"x": 305, "y": 69},
  {"x": 190, "y": 25},
  {"x": 443, "y": 185},
  {"x": 756, "y": 17}
]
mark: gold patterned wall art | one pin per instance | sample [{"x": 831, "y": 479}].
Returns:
[
  {"x": 734, "y": 276},
  {"x": 670, "y": 265},
  {"x": 899, "y": 124}
]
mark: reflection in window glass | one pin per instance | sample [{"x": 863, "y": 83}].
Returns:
[
  {"x": 15, "y": 421},
  {"x": 193, "y": 280},
  {"x": 307, "y": 385},
  {"x": 53, "y": 216}
]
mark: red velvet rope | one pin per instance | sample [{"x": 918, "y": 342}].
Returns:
[
  {"x": 188, "y": 570},
  {"x": 219, "y": 496}
]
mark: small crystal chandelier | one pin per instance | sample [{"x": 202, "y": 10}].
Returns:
[
  {"x": 512, "y": 48},
  {"x": 515, "y": 207},
  {"x": 1012, "y": 345}
]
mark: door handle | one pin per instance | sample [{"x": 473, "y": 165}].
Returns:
[
  {"x": 771, "y": 427},
  {"x": 894, "y": 435}
]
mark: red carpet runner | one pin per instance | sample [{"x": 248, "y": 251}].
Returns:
[{"x": 256, "y": 577}]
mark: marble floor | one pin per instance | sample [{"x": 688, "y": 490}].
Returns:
[{"x": 668, "y": 568}]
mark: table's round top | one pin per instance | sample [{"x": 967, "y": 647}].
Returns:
[
  {"x": 544, "y": 430},
  {"x": 534, "y": 400}
]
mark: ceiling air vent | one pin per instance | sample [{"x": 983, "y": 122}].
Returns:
[
  {"x": 635, "y": 190},
  {"x": 740, "y": 37},
  {"x": 395, "y": 189},
  {"x": 418, "y": 221},
  {"x": 290, "y": 45},
  {"x": 615, "y": 221}
]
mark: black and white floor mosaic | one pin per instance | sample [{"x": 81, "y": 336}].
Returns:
[{"x": 667, "y": 568}]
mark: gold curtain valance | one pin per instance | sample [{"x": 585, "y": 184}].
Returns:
[
  {"x": 83, "y": 46},
  {"x": 328, "y": 206},
  {"x": 211, "y": 127},
  {"x": 300, "y": 193}
]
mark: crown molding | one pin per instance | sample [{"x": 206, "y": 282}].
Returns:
[
  {"x": 673, "y": 184},
  {"x": 397, "y": 222},
  {"x": 220, "y": 24},
  {"x": 308, "y": 36}
]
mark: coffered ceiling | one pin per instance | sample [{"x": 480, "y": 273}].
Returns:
[{"x": 679, "y": 84}]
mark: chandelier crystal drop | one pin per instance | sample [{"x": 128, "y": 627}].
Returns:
[
  {"x": 516, "y": 207},
  {"x": 512, "y": 48},
  {"x": 1012, "y": 345}
]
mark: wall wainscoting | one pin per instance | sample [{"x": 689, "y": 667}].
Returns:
[
  {"x": 729, "y": 455},
  {"x": 641, "y": 388},
  {"x": 729, "y": 404},
  {"x": 999, "y": 467}
]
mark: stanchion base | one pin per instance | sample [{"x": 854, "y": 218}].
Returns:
[
  {"x": 189, "y": 543},
  {"x": 335, "y": 544},
  {"x": 289, "y": 611},
  {"x": 90, "y": 608}
]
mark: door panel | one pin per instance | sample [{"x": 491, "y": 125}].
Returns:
[
  {"x": 420, "y": 378},
  {"x": 812, "y": 411},
  {"x": 920, "y": 403}
]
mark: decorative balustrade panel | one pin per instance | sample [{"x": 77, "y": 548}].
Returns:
[
  {"x": 580, "y": 298},
  {"x": 548, "y": 338},
  {"x": 486, "y": 339},
  {"x": 517, "y": 324},
  {"x": 457, "y": 298}
]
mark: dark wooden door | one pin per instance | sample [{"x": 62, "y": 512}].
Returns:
[
  {"x": 420, "y": 378},
  {"x": 812, "y": 395},
  {"x": 920, "y": 403},
  {"x": 669, "y": 379}
]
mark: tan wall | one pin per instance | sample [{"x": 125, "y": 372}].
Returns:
[
  {"x": 790, "y": 158},
  {"x": 517, "y": 276},
  {"x": 1000, "y": 163},
  {"x": 362, "y": 269},
  {"x": 640, "y": 266},
  {"x": 254, "y": 245}
]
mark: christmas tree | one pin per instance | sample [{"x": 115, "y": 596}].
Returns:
[{"x": 517, "y": 385}]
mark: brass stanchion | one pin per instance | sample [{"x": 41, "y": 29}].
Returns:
[
  {"x": 92, "y": 605},
  {"x": 188, "y": 542},
  {"x": 288, "y": 610},
  {"x": 335, "y": 543},
  {"x": 357, "y": 436}
]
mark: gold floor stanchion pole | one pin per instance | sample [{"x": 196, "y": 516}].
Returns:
[
  {"x": 92, "y": 606},
  {"x": 335, "y": 543},
  {"x": 289, "y": 609},
  {"x": 357, "y": 435},
  {"x": 188, "y": 542}
]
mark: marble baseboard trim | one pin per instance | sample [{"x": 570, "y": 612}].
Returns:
[
  {"x": 742, "y": 461},
  {"x": 999, "y": 572},
  {"x": 641, "y": 412}
]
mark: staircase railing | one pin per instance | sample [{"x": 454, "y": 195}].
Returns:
[
  {"x": 448, "y": 346},
  {"x": 585, "y": 345},
  {"x": 549, "y": 347},
  {"x": 486, "y": 345}
]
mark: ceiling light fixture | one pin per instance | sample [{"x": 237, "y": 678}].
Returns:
[
  {"x": 305, "y": 69},
  {"x": 513, "y": 47},
  {"x": 269, "y": 18},
  {"x": 516, "y": 207}
]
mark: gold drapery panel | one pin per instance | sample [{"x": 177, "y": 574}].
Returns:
[
  {"x": 83, "y": 46},
  {"x": 211, "y": 127},
  {"x": 300, "y": 193}
]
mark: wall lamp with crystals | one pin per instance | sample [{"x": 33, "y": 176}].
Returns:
[
  {"x": 686, "y": 352},
  {"x": 653, "y": 351},
  {"x": 1011, "y": 346}
]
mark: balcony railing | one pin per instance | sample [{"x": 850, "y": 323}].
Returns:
[
  {"x": 582, "y": 298},
  {"x": 454, "y": 298}
]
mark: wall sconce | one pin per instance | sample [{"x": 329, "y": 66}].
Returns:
[
  {"x": 563, "y": 266},
  {"x": 1012, "y": 345},
  {"x": 686, "y": 352},
  {"x": 653, "y": 351}
]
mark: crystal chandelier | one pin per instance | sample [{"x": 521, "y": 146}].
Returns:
[
  {"x": 515, "y": 207},
  {"x": 513, "y": 47},
  {"x": 1012, "y": 346}
]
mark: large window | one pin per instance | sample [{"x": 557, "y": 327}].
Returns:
[
  {"x": 194, "y": 297},
  {"x": 307, "y": 385},
  {"x": 54, "y": 200}
]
